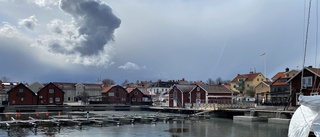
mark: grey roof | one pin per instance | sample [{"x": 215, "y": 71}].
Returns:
[
  {"x": 35, "y": 86},
  {"x": 185, "y": 88},
  {"x": 215, "y": 88}
]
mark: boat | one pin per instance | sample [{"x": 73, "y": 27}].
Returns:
[{"x": 306, "y": 119}]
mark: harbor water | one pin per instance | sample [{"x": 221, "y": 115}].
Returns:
[{"x": 213, "y": 127}]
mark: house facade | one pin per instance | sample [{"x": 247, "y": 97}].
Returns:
[
  {"x": 21, "y": 95},
  {"x": 136, "y": 97},
  {"x": 4, "y": 88},
  {"x": 50, "y": 95},
  {"x": 305, "y": 82},
  {"x": 245, "y": 83},
  {"x": 280, "y": 89},
  {"x": 73, "y": 91},
  {"x": 219, "y": 94},
  {"x": 262, "y": 92},
  {"x": 179, "y": 95},
  {"x": 114, "y": 94}
]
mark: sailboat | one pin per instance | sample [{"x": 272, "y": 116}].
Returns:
[{"x": 306, "y": 119}]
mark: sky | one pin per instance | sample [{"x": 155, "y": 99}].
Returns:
[{"x": 89, "y": 40}]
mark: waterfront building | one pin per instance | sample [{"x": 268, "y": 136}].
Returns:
[
  {"x": 21, "y": 95},
  {"x": 136, "y": 97},
  {"x": 262, "y": 92},
  {"x": 114, "y": 94},
  {"x": 50, "y": 95},
  {"x": 245, "y": 83},
  {"x": 4, "y": 88},
  {"x": 179, "y": 95},
  {"x": 279, "y": 89},
  {"x": 219, "y": 94},
  {"x": 75, "y": 91},
  {"x": 305, "y": 82}
]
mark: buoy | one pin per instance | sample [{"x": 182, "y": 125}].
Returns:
[
  {"x": 37, "y": 113},
  {"x": 59, "y": 113},
  {"x": 7, "y": 115},
  {"x": 47, "y": 113}
]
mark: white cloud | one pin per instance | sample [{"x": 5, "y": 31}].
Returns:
[
  {"x": 46, "y": 3},
  {"x": 131, "y": 66},
  {"x": 29, "y": 23},
  {"x": 8, "y": 30}
]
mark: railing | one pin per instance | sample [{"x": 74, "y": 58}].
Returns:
[{"x": 215, "y": 106}]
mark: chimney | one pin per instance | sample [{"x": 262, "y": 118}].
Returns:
[{"x": 287, "y": 69}]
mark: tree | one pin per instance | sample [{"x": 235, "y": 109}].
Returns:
[
  {"x": 5, "y": 79},
  {"x": 108, "y": 82},
  {"x": 250, "y": 92},
  {"x": 84, "y": 96},
  {"x": 210, "y": 82},
  {"x": 219, "y": 81},
  {"x": 125, "y": 83}
]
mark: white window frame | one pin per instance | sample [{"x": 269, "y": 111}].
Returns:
[
  {"x": 308, "y": 80},
  {"x": 111, "y": 94},
  {"x": 51, "y": 90},
  {"x": 57, "y": 99},
  {"x": 50, "y": 100}
]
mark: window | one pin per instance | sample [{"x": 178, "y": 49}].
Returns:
[
  {"x": 307, "y": 81},
  {"x": 69, "y": 99},
  {"x": 257, "y": 79},
  {"x": 138, "y": 99},
  {"x": 297, "y": 99},
  {"x": 262, "y": 85},
  {"x": 123, "y": 99},
  {"x": 21, "y": 90},
  {"x": 198, "y": 88},
  {"x": 51, "y": 90},
  {"x": 57, "y": 99},
  {"x": 21, "y": 99},
  {"x": 136, "y": 93},
  {"x": 248, "y": 85},
  {"x": 50, "y": 100},
  {"x": 133, "y": 99},
  {"x": 111, "y": 94}
]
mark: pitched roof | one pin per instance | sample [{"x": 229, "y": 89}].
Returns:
[
  {"x": 105, "y": 90},
  {"x": 247, "y": 77},
  {"x": 215, "y": 88},
  {"x": 278, "y": 75},
  {"x": 35, "y": 86},
  {"x": 315, "y": 71},
  {"x": 72, "y": 86},
  {"x": 185, "y": 88}
]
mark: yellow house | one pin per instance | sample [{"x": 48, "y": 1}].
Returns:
[
  {"x": 262, "y": 91},
  {"x": 245, "y": 83}
]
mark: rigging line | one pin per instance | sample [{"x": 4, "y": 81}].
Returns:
[
  {"x": 317, "y": 32},
  {"x": 305, "y": 45}
]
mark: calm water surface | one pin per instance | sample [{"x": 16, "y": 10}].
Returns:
[{"x": 214, "y": 127}]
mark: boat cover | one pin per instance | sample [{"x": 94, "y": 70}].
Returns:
[{"x": 306, "y": 118}]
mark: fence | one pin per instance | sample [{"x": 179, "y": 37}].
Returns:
[{"x": 216, "y": 106}]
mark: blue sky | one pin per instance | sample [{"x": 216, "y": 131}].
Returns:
[{"x": 82, "y": 41}]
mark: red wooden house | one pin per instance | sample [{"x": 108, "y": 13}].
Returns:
[
  {"x": 179, "y": 95},
  {"x": 50, "y": 95},
  {"x": 21, "y": 95},
  {"x": 136, "y": 97},
  {"x": 309, "y": 87},
  {"x": 114, "y": 94},
  {"x": 211, "y": 94}
]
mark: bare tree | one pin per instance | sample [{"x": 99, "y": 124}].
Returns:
[
  {"x": 5, "y": 79},
  {"x": 210, "y": 82},
  {"x": 84, "y": 96},
  {"x": 108, "y": 82},
  {"x": 125, "y": 83},
  {"x": 219, "y": 81}
]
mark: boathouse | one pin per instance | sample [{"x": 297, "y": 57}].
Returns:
[
  {"x": 219, "y": 94},
  {"x": 50, "y": 95},
  {"x": 309, "y": 86},
  {"x": 136, "y": 97},
  {"x": 114, "y": 94},
  {"x": 179, "y": 95},
  {"x": 21, "y": 95}
]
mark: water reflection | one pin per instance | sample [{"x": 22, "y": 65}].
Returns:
[{"x": 214, "y": 127}]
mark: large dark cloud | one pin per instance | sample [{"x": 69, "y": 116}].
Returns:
[{"x": 95, "y": 25}]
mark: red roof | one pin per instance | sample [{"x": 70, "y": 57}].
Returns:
[
  {"x": 105, "y": 90},
  {"x": 247, "y": 77}
]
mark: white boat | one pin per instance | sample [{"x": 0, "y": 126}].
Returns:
[{"x": 306, "y": 118}]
